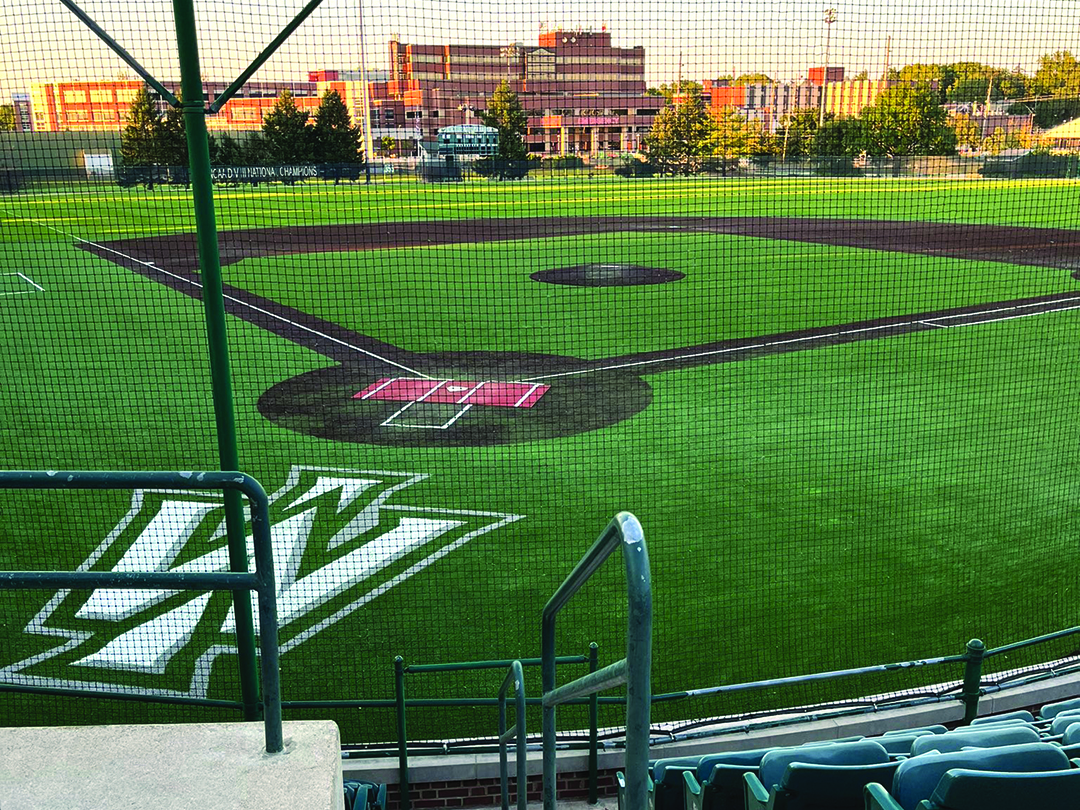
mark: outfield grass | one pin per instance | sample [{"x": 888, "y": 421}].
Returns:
[{"x": 848, "y": 505}]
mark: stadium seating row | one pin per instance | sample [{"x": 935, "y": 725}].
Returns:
[{"x": 1007, "y": 760}]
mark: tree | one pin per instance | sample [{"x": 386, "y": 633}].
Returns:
[
  {"x": 968, "y": 133},
  {"x": 753, "y": 78},
  {"x": 907, "y": 120},
  {"x": 940, "y": 76},
  {"x": 227, "y": 151},
  {"x": 289, "y": 139},
  {"x": 685, "y": 88},
  {"x": 839, "y": 137},
  {"x": 1000, "y": 141},
  {"x": 505, "y": 113},
  {"x": 795, "y": 135},
  {"x": 7, "y": 117},
  {"x": 336, "y": 139},
  {"x": 139, "y": 139},
  {"x": 172, "y": 148},
  {"x": 1058, "y": 75},
  {"x": 386, "y": 146},
  {"x": 733, "y": 136},
  {"x": 682, "y": 136}
]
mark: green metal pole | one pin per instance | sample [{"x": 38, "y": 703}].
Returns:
[
  {"x": 594, "y": 722},
  {"x": 202, "y": 189},
  {"x": 972, "y": 679},
  {"x": 403, "y": 745}
]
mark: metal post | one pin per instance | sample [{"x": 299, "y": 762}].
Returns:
[
  {"x": 972, "y": 679},
  {"x": 830, "y": 18},
  {"x": 202, "y": 189},
  {"x": 403, "y": 747},
  {"x": 594, "y": 722}
]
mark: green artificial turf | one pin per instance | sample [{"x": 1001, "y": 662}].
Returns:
[{"x": 848, "y": 505}]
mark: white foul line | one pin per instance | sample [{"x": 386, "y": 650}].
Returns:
[
  {"x": 825, "y": 335},
  {"x": 29, "y": 280},
  {"x": 237, "y": 301}
]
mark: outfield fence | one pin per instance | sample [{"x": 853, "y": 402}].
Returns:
[{"x": 837, "y": 390}]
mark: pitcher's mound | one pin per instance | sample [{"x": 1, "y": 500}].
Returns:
[{"x": 607, "y": 275}]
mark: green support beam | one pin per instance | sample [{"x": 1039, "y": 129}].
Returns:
[{"x": 202, "y": 188}]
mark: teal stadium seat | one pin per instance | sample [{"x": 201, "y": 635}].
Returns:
[
  {"x": 718, "y": 783},
  {"x": 1052, "y": 710},
  {"x": 668, "y": 781},
  {"x": 806, "y": 786},
  {"x": 931, "y": 729},
  {"x": 1022, "y": 714},
  {"x": 977, "y": 790},
  {"x": 1063, "y": 721},
  {"x": 900, "y": 744},
  {"x": 916, "y": 778},
  {"x": 769, "y": 788},
  {"x": 988, "y": 738}
]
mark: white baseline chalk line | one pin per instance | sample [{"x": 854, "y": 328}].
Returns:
[
  {"x": 236, "y": 300},
  {"x": 769, "y": 343}
]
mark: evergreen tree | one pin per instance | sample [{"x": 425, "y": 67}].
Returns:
[
  {"x": 336, "y": 139},
  {"x": 287, "y": 134},
  {"x": 226, "y": 151},
  {"x": 505, "y": 113},
  {"x": 172, "y": 148},
  {"x": 139, "y": 142},
  {"x": 682, "y": 136}
]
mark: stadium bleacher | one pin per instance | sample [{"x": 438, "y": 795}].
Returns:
[{"x": 1010, "y": 760}]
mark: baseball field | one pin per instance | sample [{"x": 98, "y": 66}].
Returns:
[{"x": 843, "y": 410}]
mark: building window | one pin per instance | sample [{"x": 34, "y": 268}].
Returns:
[
  {"x": 649, "y": 111},
  {"x": 620, "y": 112},
  {"x": 77, "y": 115},
  {"x": 74, "y": 96}
]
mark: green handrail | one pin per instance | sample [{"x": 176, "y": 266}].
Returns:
[
  {"x": 514, "y": 676},
  {"x": 261, "y": 581},
  {"x": 623, "y": 532},
  {"x": 401, "y": 669}
]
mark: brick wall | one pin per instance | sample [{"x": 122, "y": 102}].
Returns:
[{"x": 486, "y": 792}]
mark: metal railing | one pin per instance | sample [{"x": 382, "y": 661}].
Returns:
[
  {"x": 517, "y": 733},
  {"x": 239, "y": 582},
  {"x": 400, "y": 703},
  {"x": 634, "y": 670}
]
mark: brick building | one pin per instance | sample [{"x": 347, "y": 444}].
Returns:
[
  {"x": 582, "y": 94},
  {"x": 96, "y": 106}
]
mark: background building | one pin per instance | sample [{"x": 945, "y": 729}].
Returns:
[{"x": 765, "y": 103}]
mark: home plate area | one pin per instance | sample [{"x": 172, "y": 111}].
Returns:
[{"x": 437, "y": 404}]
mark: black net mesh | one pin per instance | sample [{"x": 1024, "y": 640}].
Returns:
[{"x": 796, "y": 286}]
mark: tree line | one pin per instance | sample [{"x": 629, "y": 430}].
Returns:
[{"x": 288, "y": 135}]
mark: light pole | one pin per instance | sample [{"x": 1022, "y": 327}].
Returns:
[
  {"x": 509, "y": 53},
  {"x": 830, "y": 18}
]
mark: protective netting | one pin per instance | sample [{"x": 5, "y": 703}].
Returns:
[{"x": 795, "y": 286}]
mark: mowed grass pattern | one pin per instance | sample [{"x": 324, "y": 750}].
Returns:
[{"x": 847, "y": 505}]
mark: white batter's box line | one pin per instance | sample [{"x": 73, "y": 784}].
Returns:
[
  {"x": 25, "y": 280},
  {"x": 391, "y": 423}
]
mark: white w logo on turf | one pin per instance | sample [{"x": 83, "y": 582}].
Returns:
[{"x": 338, "y": 544}]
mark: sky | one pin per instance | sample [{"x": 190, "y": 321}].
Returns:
[{"x": 42, "y": 40}]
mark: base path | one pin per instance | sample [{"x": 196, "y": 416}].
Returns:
[{"x": 584, "y": 394}]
